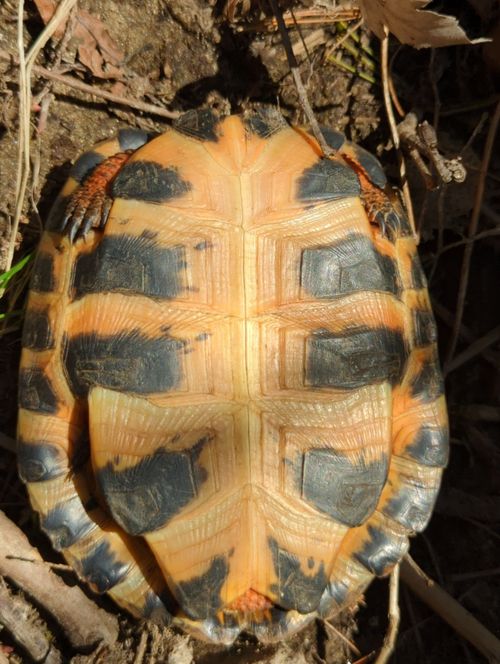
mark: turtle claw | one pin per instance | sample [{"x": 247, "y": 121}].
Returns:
[{"x": 90, "y": 205}]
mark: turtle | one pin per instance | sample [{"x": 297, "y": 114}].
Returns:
[{"x": 232, "y": 415}]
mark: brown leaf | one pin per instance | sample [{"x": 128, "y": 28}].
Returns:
[
  {"x": 96, "y": 48},
  {"x": 411, "y": 25}
]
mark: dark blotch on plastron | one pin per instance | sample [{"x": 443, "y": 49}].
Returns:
[
  {"x": 101, "y": 568},
  {"x": 36, "y": 392},
  {"x": 430, "y": 447},
  {"x": 346, "y": 490},
  {"x": 428, "y": 384},
  {"x": 347, "y": 266},
  {"x": 40, "y": 461},
  {"x": 265, "y": 122},
  {"x": 354, "y": 358},
  {"x": 202, "y": 124},
  {"x": 42, "y": 278},
  {"x": 334, "y": 139},
  {"x": 382, "y": 551},
  {"x": 85, "y": 164},
  {"x": 371, "y": 165},
  {"x": 126, "y": 361},
  {"x": 37, "y": 332},
  {"x": 67, "y": 523},
  {"x": 145, "y": 496},
  {"x": 128, "y": 264},
  {"x": 327, "y": 180},
  {"x": 424, "y": 327},
  {"x": 200, "y": 596},
  {"x": 148, "y": 181},
  {"x": 418, "y": 279},
  {"x": 412, "y": 504},
  {"x": 131, "y": 139},
  {"x": 296, "y": 590}
]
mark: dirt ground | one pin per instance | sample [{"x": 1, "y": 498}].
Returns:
[{"x": 184, "y": 54}]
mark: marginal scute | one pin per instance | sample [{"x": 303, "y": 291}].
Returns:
[
  {"x": 39, "y": 461},
  {"x": 334, "y": 139},
  {"x": 37, "y": 332},
  {"x": 347, "y": 266},
  {"x": 412, "y": 503},
  {"x": 346, "y": 490},
  {"x": 67, "y": 523},
  {"x": 430, "y": 446},
  {"x": 335, "y": 594},
  {"x": 418, "y": 279},
  {"x": 424, "y": 327},
  {"x": 144, "y": 497},
  {"x": 101, "y": 568},
  {"x": 370, "y": 165},
  {"x": 265, "y": 122},
  {"x": 149, "y": 182},
  {"x": 296, "y": 589},
  {"x": 159, "y": 608},
  {"x": 202, "y": 124},
  {"x": 382, "y": 550},
  {"x": 129, "y": 264},
  {"x": 355, "y": 358},
  {"x": 85, "y": 164},
  {"x": 428, "y": 384},
  {"x": 126, "y": 361},
  {"x": 327, "y": 180},
  {"x": 42, "y": 278},
  {"x": 36, "y": 391},
  {"x": 131, "y": 139},
  {"x": 200, "y": 596}
]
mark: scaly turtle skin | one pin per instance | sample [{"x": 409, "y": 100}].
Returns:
[{"x": 231, "y": 408}]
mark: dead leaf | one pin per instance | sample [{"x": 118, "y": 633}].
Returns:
[
  {"x": 96, "y": 48},
  {"x": 411, "y": 25}
]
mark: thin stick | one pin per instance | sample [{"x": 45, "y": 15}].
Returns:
[
  {"x": 394, "y": 617},
  {"x": 25, "y": 68},
  {"x": 384, "y": 65},
  {"x": 294, "y": 68},
  {"x": 341, "y": 636},
  {"x": 476, "y": 212},
  {"x": 474, "y": 349},
  {"x": 450, "y": 610},
  {"x": 141, "y": 650},
  {"x": 84, "y": 624},
  {"x": 74, "y": 83}
]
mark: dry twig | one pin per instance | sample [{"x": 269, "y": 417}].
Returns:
[
  {"x": 26, "y": 63},
  {"x": 29, "y": 633},
  {"x": 394, "y": 616},
  {"x": 331, "y": 628},
  {"x": 84, "y": 624},
  {"x": 450, "y": 610},
  {"x": 95, "y": 91},
  {"x": 294, "y": 68},
  {"x": 474, "y": 349},
  {"x": 384, "y": 66}
]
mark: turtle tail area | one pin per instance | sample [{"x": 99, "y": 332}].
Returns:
[{"x": 251, "y": 613}]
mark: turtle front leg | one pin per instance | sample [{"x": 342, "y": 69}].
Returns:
[{"x": 85, "y": 201}]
